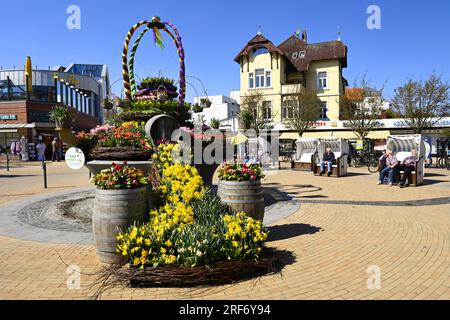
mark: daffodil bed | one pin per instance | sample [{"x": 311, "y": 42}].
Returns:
[{"x": 191, "y": 238}]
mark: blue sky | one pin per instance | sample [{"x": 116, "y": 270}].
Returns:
[{"x": 413, "y": 41}]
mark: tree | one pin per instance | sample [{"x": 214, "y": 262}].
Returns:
[
  {"x": 214, "y": 123},
  {"x": 245, "y": 119},
  {"x": 261, "y": 114},
  {"x": 422, "y": 103},
  {"x": 302, "y": 110},
  {"x": 361, "y": 107}
]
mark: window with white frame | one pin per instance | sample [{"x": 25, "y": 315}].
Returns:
[
  {"x": 323, "y": 111},
  {"x": 251, "y": 80},
  {"x": 267, "y": 110},
  {"x": 259, "y": 78},
  {"x": 287, "y": 109},
  {"x": 322, "y": 81},
  {"x": 268, "y": 78}
]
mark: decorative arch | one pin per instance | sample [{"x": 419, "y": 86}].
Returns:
[{"x": 128, "y": 65}]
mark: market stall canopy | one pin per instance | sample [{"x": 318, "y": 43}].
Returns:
[{"x": 238, "y": 138}]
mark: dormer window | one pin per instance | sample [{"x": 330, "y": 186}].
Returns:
[
  {"x": 298, "y": 55},
  {"x": 260, "y": 50}
]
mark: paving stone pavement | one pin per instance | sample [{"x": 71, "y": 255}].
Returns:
[{"x": 345, "y": 227}]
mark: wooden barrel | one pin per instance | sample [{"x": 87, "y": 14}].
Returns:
[
  {"x": 161, "y": 127},
  {"x": 114, "y": 211},
  {"x": 246, "y": 196}
]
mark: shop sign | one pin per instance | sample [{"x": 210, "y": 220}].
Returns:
[
  {"x": 6, "y": 117},
  {"x": 39, "y": 116},
  {"x": 75, "y": 158}
]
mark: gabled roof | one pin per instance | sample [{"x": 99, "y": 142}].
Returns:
[
  {"x": 257, "y": 41},
  {"x": 293, "y": 45},
  {"x": 313, "y": 52}
]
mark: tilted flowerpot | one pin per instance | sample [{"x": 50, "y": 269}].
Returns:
[
  {"x": 63, "y": 123},
  {"x": 114, "y": 211},
  {"x": 246, "y": 196},
  {"x": 207, "y": 171}
]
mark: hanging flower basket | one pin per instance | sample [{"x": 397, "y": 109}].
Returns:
[
  {"x": 161, "y": 94},
  {"x": 205, "y": 103},
  {"x": 107, "y": 104}
]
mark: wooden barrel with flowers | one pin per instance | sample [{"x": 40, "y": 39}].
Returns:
[
  {"x": 240, "y": 188},
  {"x": 120, "y": 202}
]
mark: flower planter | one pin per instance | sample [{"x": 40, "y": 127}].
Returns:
[
  {"x": 246, "y": 196},
  {"x": 115, "y": 210},
  {"x": 207, "y": 171},
  {"x": 98, "y": 165}
]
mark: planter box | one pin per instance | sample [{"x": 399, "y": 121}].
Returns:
[
  {"x": 246, "y": 196},
  {"x": 114, "y": 211}
]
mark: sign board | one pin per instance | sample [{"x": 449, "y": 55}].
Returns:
[
  {"x": 359, "y": 145},
  {"x": 75, "y": 158},
  {"x": 39, "y": 116},
  {"x": 8, "y": 117}
]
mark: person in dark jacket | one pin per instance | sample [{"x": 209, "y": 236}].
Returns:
[{"x": 328, "y": 160}]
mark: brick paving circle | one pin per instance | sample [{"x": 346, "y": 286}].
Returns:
[{"x": 47, "y": 220}]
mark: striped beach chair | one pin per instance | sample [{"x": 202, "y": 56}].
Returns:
[
  {"x": 306, "y": 149},
  {"x": 340, "y": 149},
  {"x": 402, "y": 145}
]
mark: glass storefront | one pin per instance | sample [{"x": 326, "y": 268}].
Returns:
[{"x": 54, "y": 87}]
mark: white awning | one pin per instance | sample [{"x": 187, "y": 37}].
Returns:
[
  {"x": 312, "y": 134},
  {"x": 9, "y": 126},
  {"x": 289, "y": 136},
  {"x": 380, "y": 134}
]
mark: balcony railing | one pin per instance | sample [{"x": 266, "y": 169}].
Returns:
[{"x": 290, "y": 88}]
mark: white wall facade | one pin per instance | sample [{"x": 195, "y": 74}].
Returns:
[{"x": 222, "y": 108}]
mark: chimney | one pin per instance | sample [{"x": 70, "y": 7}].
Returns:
[{"x": 304, "y": 36}]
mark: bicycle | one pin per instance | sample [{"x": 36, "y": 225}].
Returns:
[
  {"x": 443, "y": 163},
  {"x": 374, "y": 164}
]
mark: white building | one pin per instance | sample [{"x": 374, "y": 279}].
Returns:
[{"x": 223, "y": 108}]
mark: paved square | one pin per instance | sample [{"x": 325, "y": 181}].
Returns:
[{"x": 344, "y": 228}]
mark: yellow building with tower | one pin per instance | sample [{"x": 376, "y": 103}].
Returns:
[{"x": 279, "y": 71}]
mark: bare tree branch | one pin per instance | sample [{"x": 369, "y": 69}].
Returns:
[
  {"x": 422, "y": 103},
  {"x": 361, "y": 107}
]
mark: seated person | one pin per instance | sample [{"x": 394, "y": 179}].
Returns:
[
  {"x": 328, "y": 159},
  {"x": 408, "y": 165},
  {"x": 391, "y": 164}
]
